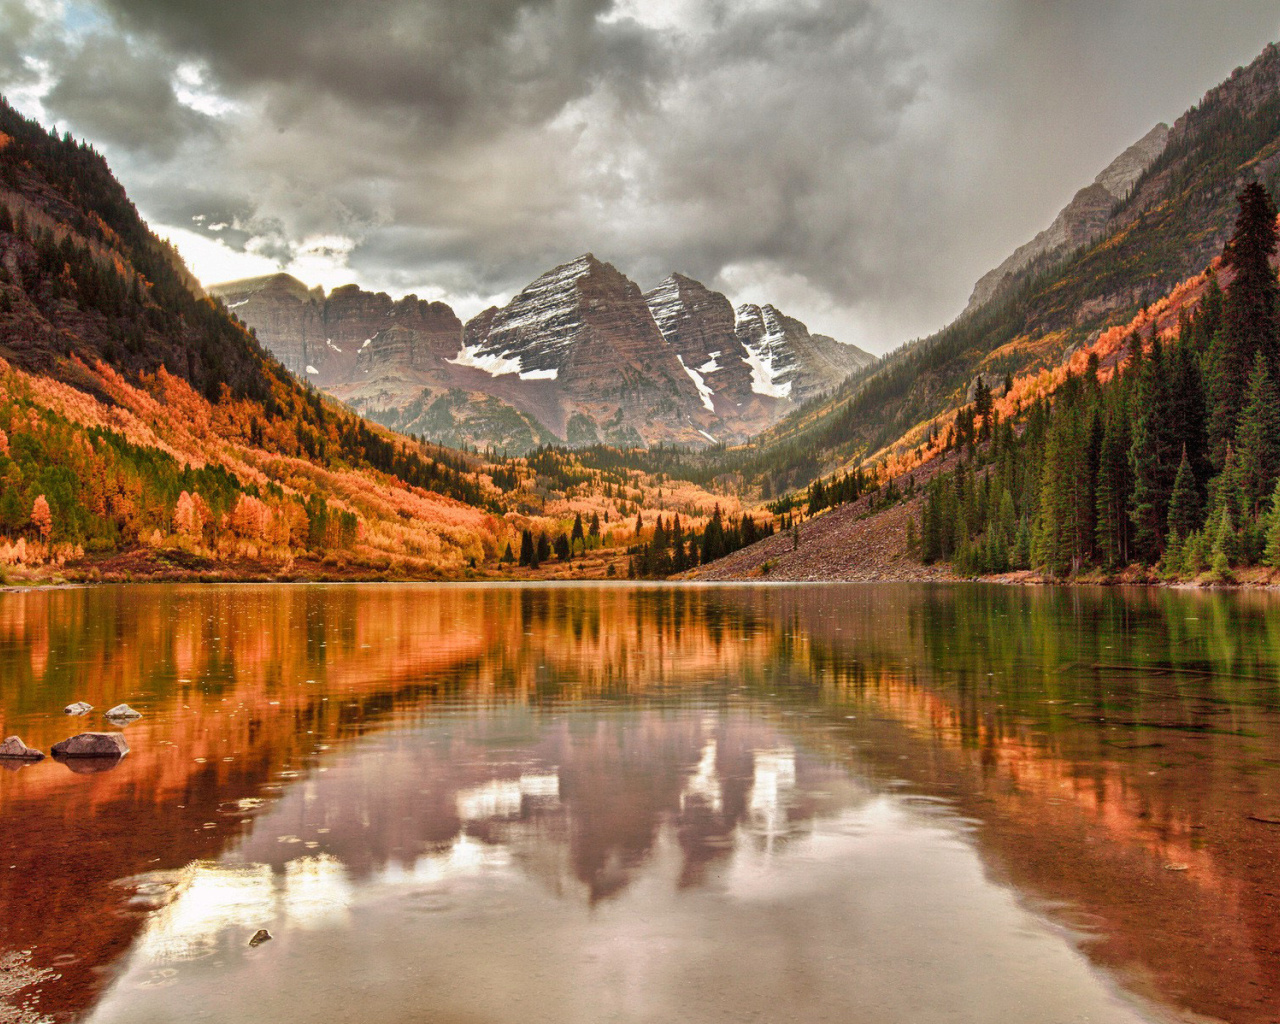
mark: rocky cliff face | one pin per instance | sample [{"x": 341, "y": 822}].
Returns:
[
  {"x": 786, "y": 361},
  {"x": 287, "y": 317},
  {"x": 698, "y": 324},
  {"x": 587, "y": 327},
  {"x": 752, "y": 365},
  {"x": 1085, "y": 218},
  {"x": 580, "y": 355}
]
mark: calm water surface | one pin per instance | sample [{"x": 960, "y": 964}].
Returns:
[{"x": 585, "y": 804}]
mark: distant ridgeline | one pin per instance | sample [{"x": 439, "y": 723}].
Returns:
[{"x": 144, "y": 431}]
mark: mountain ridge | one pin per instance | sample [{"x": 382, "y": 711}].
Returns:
[{"x": 579, "y": 356}]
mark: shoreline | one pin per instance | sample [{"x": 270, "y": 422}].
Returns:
[{"x": 1256, "y": 579}]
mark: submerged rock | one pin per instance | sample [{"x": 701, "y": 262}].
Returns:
[
  {"x": 14, "y": 748},
  {"x": 259, "y": 937},
  {"x": 78, "y": 708},
  {"x": 123, "y": 711},
  {"x": 93, "y": 744}
]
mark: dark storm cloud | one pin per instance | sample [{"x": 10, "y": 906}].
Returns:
[
  {"x": 19, "y": 25},
  {"x": 123, "y": 95},
  {"x": 862, "y": 161},
  {"x": 449, "y": 60}
]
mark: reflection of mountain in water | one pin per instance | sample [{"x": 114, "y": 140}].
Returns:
[
  {"x": 301, "y": 741},
  {"x": 577, "y": 800}
]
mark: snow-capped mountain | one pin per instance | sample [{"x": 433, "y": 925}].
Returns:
[{"x": 579, "y": 356}]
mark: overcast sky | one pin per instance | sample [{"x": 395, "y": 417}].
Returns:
[{"x": 859, "y": 163}]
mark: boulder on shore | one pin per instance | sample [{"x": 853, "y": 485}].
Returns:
[
  {"x": 123, "y": 711},
  {"x": 78, "y": 708},
  {"x": 14, "y": 748},
  {"x": 93, "y": 744}
]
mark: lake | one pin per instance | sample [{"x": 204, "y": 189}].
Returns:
[{"x": 465, "y": 804}]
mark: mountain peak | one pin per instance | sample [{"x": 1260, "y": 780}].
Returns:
[{"x": 280, "y": 284}]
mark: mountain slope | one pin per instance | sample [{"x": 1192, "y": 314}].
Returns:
[
  {"x": 1087, "y": 216},
  {"x": 137, "y": 415},
  {"x": 1174, "y": 221}
]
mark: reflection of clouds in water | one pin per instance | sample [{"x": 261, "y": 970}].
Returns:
[
  {"x": 713, "y": 789},
  {"x": 466, "y": 857},
  {"x": 212, "y": 899}
]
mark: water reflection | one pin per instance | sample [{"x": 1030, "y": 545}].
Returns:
[{"x": 862, "y": 803}]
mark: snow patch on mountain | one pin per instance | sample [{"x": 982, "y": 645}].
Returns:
[
  {"x": 769, "y": 355},
  {"x": 494, "y": 364},
  {"x": 704, "y": 392}
]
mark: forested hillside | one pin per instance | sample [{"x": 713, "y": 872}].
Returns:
[
  {"x": 1171, "y": 459},
  {"x": 1173, "y": 222},
  {"x": 144, "y": 431}
]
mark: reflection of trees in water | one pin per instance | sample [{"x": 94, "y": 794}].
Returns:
[{"x": 268, "y": 676}]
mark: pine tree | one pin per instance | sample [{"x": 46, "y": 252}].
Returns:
[
  {"x": 1115, "y": 485},
  {"x": 1273, "y": 530},
  {"x": 1248, "y": 316},
  {"x": 1188, "y": 403},
  {"x": 1184, "y": 505},
  {"x": 1154, "y": 456},
  {"x": 1226, "y": 511},
  {"x": 1225, "y": 549},
  {"x": 1258, "y": 440}
]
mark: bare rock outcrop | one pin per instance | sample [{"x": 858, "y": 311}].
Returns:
[
  {"x": 92, "y": 744},
  {"x": 14, "y": 749}
]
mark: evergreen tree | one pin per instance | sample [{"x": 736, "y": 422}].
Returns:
[
  {"x": 1273, "y": 530},
  {"x": 1184, "y": 505},
  {"x": 1248, "y": 316},
  {"x": 1114, "y": 487},
  {"x": 1188, "y": 397},
  {"x": 1154, "y": 456},
  {"x": 1258, "y": 441}
]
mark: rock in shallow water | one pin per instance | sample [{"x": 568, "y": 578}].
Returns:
[
  {"x": 78, "y": 708},
  {"x": 123, "y": 711},
  {"x": 93, "y": 744},
  {"x": 259, "y": 937},
  {"x": 14, "y": 748}
]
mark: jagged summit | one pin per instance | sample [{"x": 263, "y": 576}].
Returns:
[{"x": 580, "y": 355}]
